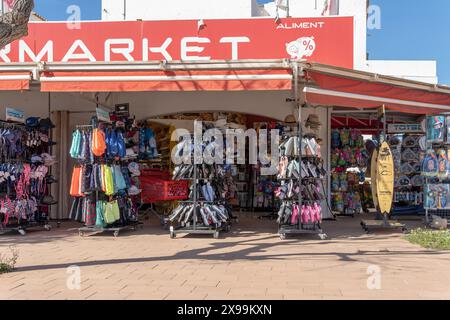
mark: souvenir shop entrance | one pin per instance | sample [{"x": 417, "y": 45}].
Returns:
[
  {"x": 250, "y": 94},
  {"x": 223, "y": 192}
]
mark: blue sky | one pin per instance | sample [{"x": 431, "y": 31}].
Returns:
[{"x": 411, "y": 30}]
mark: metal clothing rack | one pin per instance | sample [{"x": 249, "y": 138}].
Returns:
[
  {"x": 195, "y": 227},
  {"x": 300, "y": 228},
  {"x": 19, "y": 227},
  {"x": 96, "y": 229}
]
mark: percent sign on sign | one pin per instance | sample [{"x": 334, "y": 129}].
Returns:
[{"x": 308, "y": 45}]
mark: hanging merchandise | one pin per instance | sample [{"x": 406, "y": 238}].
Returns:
[
  {"x": 25, "y": 169},
  {"x": 98, "y": 142},
  {"x": 349, "y": 162},
  {"x": 102, "y": 185},
  {"x": 207, "y": 210},
  {"x": 301, "y": 186},
  {"x": 147, "y": 144},
  {"x": 436, "y": 167},
  {"x": 435, "y": 129}
]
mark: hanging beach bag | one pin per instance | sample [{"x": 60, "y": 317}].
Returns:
[
  {"x": 98, "y": 142},
  {"x": 75, "y": 184},
  {"x": 113, "y": 146},
  {"x": 100, "y": 208},
  {"x": 112, "y": 212},
  {"x": 109, "y": 181},
  {"x": 75, "y": 147},
  {"x": 121, "y": 146}
]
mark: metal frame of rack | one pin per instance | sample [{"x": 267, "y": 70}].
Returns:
[
  {"x": 299, "y": 228},
  {"x": 195, "y": 227},
  {"x": 92, "y": 230},
  {"x": 23, "y": 228}
]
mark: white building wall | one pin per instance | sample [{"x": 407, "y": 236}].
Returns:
[
  {"x": 424, "y": 71},
  {"x": 113, "y": 10},
  {"x": 215, "y": 9}
]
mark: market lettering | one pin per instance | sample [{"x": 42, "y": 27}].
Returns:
[
  {"x": 235, "y": 45},
  {"x": 162, "y": 49},
  {"x": 186, "y": 49},
  {"x": 71, "y": 55},
  {"x": 47, "y": 50},
  {"x": 123, "y": 49},
  {"x": 4, "y": 53},
  {"x": 301, "y": 25}
]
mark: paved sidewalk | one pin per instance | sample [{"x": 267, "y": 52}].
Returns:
[{"x": 249, "y": 263}]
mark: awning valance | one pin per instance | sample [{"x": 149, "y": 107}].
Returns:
[
  {"x": 14, "y": 81},
  {"x": 179, "y": 80},
  {"x": 341, "y": 91}
]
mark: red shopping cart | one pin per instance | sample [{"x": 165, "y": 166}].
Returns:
[{"x": 156, "y": 186}]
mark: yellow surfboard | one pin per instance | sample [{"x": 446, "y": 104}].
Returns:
[
  {"x": 385, "y": 179},
  {"x": 373, "y": 177}
]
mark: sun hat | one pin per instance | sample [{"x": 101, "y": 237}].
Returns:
[{"x": 290, "y": 119}]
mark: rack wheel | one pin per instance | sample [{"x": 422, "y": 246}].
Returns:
[
  {"x": 116, "y": 234},
  {"x": 323, "y": 236},
  {"x": 48, "y": 227},
  {"x": 172, "y": 235},
  {"x": 81, "y": 233},
  {"x": 22, "y": 232},
  {"x": 216, "y": 235},
  {"x": 282, "y": 236}
]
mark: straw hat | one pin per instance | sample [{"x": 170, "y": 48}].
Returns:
[{"x": 290, "y": 119}]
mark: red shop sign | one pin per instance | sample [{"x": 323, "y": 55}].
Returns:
[{"x": 326, "y": 40}]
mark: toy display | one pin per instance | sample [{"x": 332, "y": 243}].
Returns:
[
  {"x": 436, "y": 129},
  {"x": 408, "y": 158},
  {"x": 436, "y": 164},
  {"x": 349, "y": 160}
]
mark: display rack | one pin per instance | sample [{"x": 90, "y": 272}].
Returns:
[
  {"x": 348, "y": 172},
  {"x": 408, "y": 190},
  {"x": 195, "y": 227},
  {"x": 44, "y": 218},
  {"x": 299, "y": 227},
  {"x": 114, "y": 229},
  {"x": 438, "y": 187},
  {"x": 83, "y": 231}
]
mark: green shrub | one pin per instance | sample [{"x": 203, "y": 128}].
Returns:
[
  {"x": 7, "y": 264},
  {"x": 430, "y": 239}
]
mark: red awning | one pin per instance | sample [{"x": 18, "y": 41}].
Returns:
[
  {"x": 15, "y": 81},
  {"x": 346, "y": 92},
  {"x": 198, "y": 80}
]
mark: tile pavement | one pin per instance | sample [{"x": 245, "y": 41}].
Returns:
[{"x": 249, "y": 263}]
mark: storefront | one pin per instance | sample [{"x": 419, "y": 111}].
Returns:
[{"x": 115, "y": 64}]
